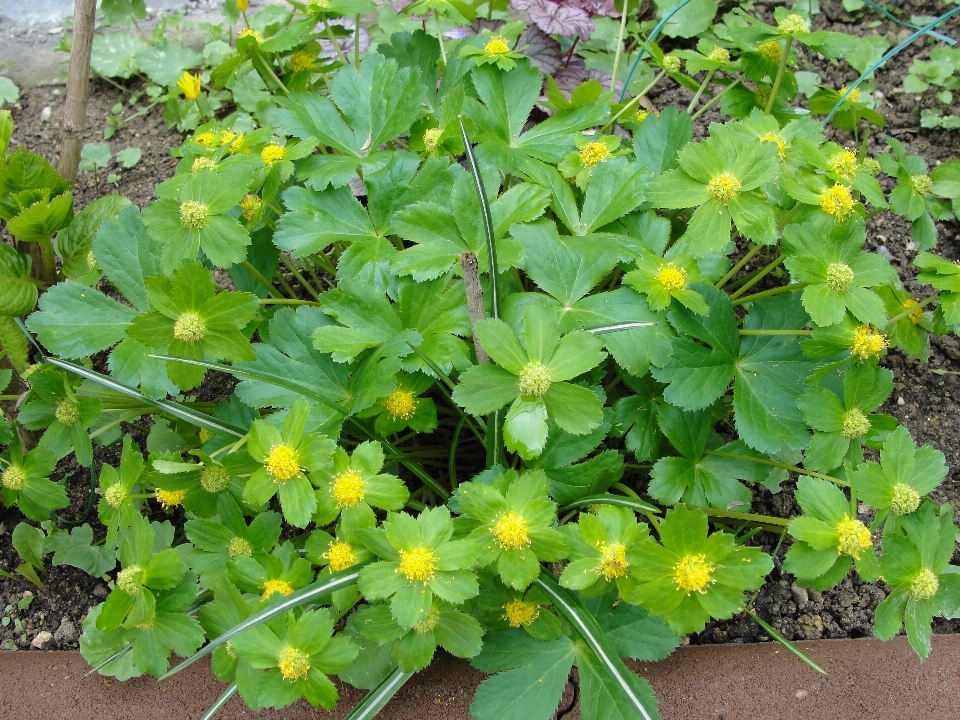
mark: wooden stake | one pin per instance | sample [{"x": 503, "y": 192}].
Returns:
[{"x": 471, "y": 283}]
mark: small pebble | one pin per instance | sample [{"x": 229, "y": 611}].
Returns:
[
  {"x": 801, "y": 694},
  {"x": 41, "y": 639},
  {"x": 911, "y": 246},
  {"x": 45, "y": 114},
  {"x": 66, "y": 633},
  {"x": 882, "y": 250},
  {"x": 900, "y": 401}
]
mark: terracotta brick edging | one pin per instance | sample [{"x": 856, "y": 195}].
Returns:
[{"x": 868, "y": 680}]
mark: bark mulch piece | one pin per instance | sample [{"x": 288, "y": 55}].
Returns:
[{"x": 867, "y": 678}]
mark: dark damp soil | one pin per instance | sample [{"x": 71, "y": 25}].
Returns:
[{"x": 925, "y": 398}]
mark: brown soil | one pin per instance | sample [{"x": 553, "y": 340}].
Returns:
[{"x": 867, "y": 678}]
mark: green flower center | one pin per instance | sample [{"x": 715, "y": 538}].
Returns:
[
  {"x": 613, "y": 561},
  {"x": 115, "y": 495},
  {"x": 534, "y": 380},
  {"x": 870, "y": 166},
  {"x": 250, "y": 205},
  {"x": 693, "y": 573},
  {"x": 238, "y": 546},
  {"x": 724, "y": 188},
  {"x": 924, "y": 585},
  {"x": 771, "y": 50},
  {"x": 719, "y": 55},
  {"x": 294, "y": 664},
  {"x": 193, "y": 214},
  {"x": 839, "y": 277},
  {"x": 13, "y": 478},
  {"x": 428, "y": 623},
  {"x": 417, "y": 565},
  {"x": 214, "y": 478},
  {"x": 853, "y": 537},
  {"x": 201, "y": 163},
  {"x": 855, "y": 424},
  {"x": 671, "y": 64},
  {"x": 189, "y": 328},
  {"x": 431, "y": 138},
  {"x": 905, "y": 499},
  {"x": 128, "y": 580},
  {"x": 793, "y": 25},
  {"x": 921, "y": 184},
  {"x": 511, "y": 531},
  {"x": 67, "y": 412}
]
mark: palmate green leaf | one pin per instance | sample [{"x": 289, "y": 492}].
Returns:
[
  {"x": 532, "y": 675},
  {"x": 660, "y": 138},
  {"x": 370, "y": 105},
  {"x": 26, "y": 171},
  {"x": 769, "y": 371},
  {"x": 18, "y": 292},
  {"x": 165, "y": 62},
  {"x": 632, "y": 630},
  {"x": 42, "y": 218},
  {"x": 127, "y": 254},
  {"x": 316, "y": 219},
  {"x": 75, "y": 242},
  {"x": 76, "y": 321}
]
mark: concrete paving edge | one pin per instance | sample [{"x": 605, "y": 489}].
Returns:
[{"x": 868, "y": 679}]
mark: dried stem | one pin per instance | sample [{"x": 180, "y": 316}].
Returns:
[{"x": 471, "y": 283}]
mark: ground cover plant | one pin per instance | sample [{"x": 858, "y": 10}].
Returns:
[{"x": 470, "y": 300}]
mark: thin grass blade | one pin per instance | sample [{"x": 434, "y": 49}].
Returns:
[
  {"x": 221, "y": 701},
  {"x": 311, "y": 593},
  {"x": 487, "y": 222},
  {"x": 590, "y": 631},
  {"x": 258, "y": 375},
  {"x": 171, "y": 408},
  {"x": 600, "y": 330},
  {"x": 769, "y": 629},
  {"x": 380, "y": 696},
  {"x": 618, "y": 500}
]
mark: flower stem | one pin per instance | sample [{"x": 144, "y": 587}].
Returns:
[
  {"x": 703, "y": 86},
  {"x": 751, "y": 517},
  {"x": 739, "y": 266},
  {"x": 356, "y": 41},
  {"x": 634, "y": 101},
  {"x": 773, "y": 463},
  {"x": 258, "y": 276},
  {"x": 780, "y": 71},
  {"x": 287, "y": 301},
  {"x": 913, "y": 309},
  {"x": 768, "y": 293},
  {"x": 299, "y": 276},
  {"x": 759, "y": 276},
  {"x": 616, "y": 58},
  {"x": 443, "y": 50},
  {"x": 714, "y": 99},
  {"x": 336, "y": 45}
]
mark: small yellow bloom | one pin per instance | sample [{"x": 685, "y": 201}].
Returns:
[
  {"x": 190, "y": 85},
  {"x": 428, "y": 623},
  {"x": 855, "y": 424},
  {"x": 227, "y": 137},
  {"x": 853, "y": 537},
  {"x": 271, "y": 153},
  {"x": 693, "y": 573},
  {"x": 129, "y": 579},
  {"x": 340, "y": 556},
  {"x": 916, "y": 317},
  {"x": 854, "y": 95},
  {"x": 275, "y": 586},
  {"x": 840, "y": 277},
  {"x": 781, "y": 143},
  {"x": 771, "y": 50},
  {"x": 242, "y": 5},
  {"x": 207, "y": 139},
  {"x": 837, "y": 201},
  {"x": 250, "y": 205},
  {"x": 924, "y": 585},
  {"x": 347, "y": 488},
  {"x": 867, "y": 342},
  {"x": 67, "y": 411},
  {"x": 844, "y": 164},
  {"x": 283, "y": 463},
  {"x": 170, "y": 498},
  {"x": 671, "y": 64},
  {"x": 921, "y": 184},
  {"x": 301, "y": 61},
  {"x": 250, "y": 32},
  {"x": 115, "y": 495},
  {"x": 497, "y": 46},
  {"x": 202, "y": 163},
  {"x": 401, "y": 404},
  {"x": 613, "y": 561},
  {"x": 642, "y": 115},
  {"x": 719, "y": 55},
  {"x": 520, "y": 613},
  {"x": 593, "y": 153},
  {"x": 189, "y": 328},
  {"x": 418, "y": 565},
  {"x": 431, "y": 138},
  {"x": 510, "y": 531},
  {"x": 294, "y": 664},
  {"x": 672, "y": 277}
]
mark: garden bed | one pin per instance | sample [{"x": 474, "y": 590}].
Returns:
[{"x": 924, "y": 399}]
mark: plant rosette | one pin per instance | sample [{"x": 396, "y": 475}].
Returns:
[
  {"x": 500, "y": 607},
  {"x": 54, "y": 405},
  {"x": 404, "y": 408},
  {"x": 721, "y": 178},
  {"x": 297, "y": 655},
  {"x": 514, "y": 524},
  {"x": 198, "y": 486},
  {"x": 117, "y": 508},
  {"x": 591, "y": 151},
  {"x": 914, "y": 197},
  {"x": 843, "y": 422},
  {"x": 286, "y": 456},
  {"x": 337, "y": 553},
  {"x": 353, "y": 486},
  {"x": 413, "y": 648},
  {"x": 496, "y": 48},
  {"x": 829, "y": 537},
  {"x": 272, "y": 576},
  {"x": 132, "y": 602},
  {"x": 837, "y": 273},
  {"x": 915, "y": 563},
  {"x": 25, "y": 482},
  {"x": 897, "y": 484},
  {"x": 193, "y": 321},
  {"x": 945, "y": 277},
  {"x": 604, "y": 549},
  {"x": 842, "y": 166},
  {"x": 532, "y": 376},
  {"x": 663, "y": 281},
  {"x": 419, "y": 561},
  {"x": 692, "y": 575},
  {"x": 227, "y": 536}
]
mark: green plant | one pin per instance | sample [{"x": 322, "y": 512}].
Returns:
[{"x": 443, "y": 368}]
